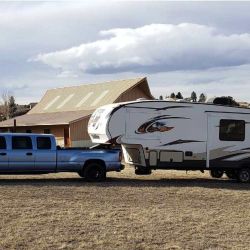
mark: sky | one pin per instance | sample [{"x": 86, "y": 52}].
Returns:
[{"x": 178, "y": 46}]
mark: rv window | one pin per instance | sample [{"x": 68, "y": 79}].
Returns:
[{"x": 232, "y": 130}]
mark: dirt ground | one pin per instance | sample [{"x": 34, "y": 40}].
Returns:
[{"x": 166, "y": 210}]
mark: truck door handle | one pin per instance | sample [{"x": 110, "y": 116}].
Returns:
[
  {"x": 28, "y": 153},
  {"x": 3, "y": 154}
]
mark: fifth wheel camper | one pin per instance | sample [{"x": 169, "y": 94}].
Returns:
[{"x": 177, "y": 135}]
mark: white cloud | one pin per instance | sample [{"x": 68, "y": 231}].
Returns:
[
  {"x": 67, "y": 74},
  {"x": 228, "y": 81},
  {"x": 154, "y": 48},
  {"x": 28, "y": 29}
]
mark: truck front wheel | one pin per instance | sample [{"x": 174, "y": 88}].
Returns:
[{"x": 94, "y": 171}]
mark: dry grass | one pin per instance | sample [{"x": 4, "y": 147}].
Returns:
[{"x": 166, "y": 210}]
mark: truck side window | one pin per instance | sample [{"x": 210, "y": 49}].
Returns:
[
  {"x": 2, "y": 142},
  {"x": 232, "y": 130},
  {"x": 43, "y": 143},
  {"x": 21, "y": 142}
]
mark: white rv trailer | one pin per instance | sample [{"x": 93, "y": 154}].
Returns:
[{"x": 177, "y": 135}]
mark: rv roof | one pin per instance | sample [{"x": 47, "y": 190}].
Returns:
[{"x": 179, "y": 102}]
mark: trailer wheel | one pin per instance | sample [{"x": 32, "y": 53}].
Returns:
[
  {"x": 142, "y": 170},
  {"x": 231, "y": 174},
  {"x": 216, "y": 173},
  {"x": 244, "y": 175},
  {"x": 94, "y": 171}
]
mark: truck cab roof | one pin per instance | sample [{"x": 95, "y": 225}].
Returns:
[{"x": 26, "y": 134}]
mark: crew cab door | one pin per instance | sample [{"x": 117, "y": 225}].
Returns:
[
  {"x": 21, "y": 157},
  {"x": 45, "y": 154},
  {"x": 4, "y": 158}
]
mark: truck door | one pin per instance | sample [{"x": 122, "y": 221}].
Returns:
[
  {"x": 21, "y": 157},
  {"x": 45, "y": 155},
  {"x": 225, "y": 138},
  {"x": 4, "y": 159}
]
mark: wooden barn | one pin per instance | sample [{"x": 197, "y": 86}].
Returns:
[{"x": 65, "y": 112}]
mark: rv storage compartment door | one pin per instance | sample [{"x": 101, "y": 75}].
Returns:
[
  {"x": 171, "y": 156},
  {"x": 153, "y": 158}
]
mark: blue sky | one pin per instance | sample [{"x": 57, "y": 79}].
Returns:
[{"x": 179, "y": 46}]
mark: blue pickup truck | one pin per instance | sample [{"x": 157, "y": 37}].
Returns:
[{"x": 39, "y": 154}]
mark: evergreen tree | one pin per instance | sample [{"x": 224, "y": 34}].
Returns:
[
  {"x": 202, "y": 97},
  {"x": 193, "y": 97},
  {"x": 160, "y": 97},
  {"x": 172, "y": 96},
  {"x": 179, "y": 96},
  {"x": 5, "y": 106},
  {"x": 12, "y": 107}
]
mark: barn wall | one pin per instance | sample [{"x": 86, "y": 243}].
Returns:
[{"x": 79, "y": 133}]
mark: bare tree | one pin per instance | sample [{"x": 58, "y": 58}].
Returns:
[{"x": 12, "y": 107}]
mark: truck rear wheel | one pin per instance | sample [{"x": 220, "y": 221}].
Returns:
[
  {"x": 244, "y": 175},
  {"x": 94, "y": 171},
  {"x": 216, "y": 173}
]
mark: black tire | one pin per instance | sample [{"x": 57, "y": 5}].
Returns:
[
  {"x": 81, "y": 174},
  {"x": 244, "y": 175},
  {"x": 143, "y": 171},
  {"x": 94, "y": 171},
  {"x": 231, "y": 174},
  {"x": 216, "y": 173}
]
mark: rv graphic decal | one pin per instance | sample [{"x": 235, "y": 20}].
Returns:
[
  {"x": 156, "y": 109},
  {"x": 156, "y": 124},
  {"x": 179, "y": 142},
  {"x": 150, "y": 127},
  {"x": 172, "y": 107}
]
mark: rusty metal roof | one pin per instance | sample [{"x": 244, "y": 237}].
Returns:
[
  {"x": 64, "y": 105},
  {"x": 84, "y": 97}
]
